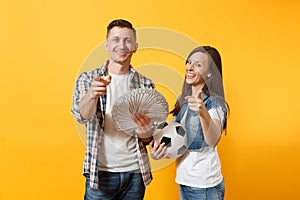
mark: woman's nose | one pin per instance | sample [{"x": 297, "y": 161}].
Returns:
[{"x": 189, "y": 66}]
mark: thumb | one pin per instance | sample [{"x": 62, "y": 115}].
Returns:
[{"x": 199, "y": 96}]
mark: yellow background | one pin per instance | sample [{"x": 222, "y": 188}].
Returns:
[{"x": 44, "y": 43}]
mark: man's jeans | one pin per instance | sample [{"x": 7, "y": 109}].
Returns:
[
  {"x": 212, "y": 193},
  {"x": 114, "y": 186}
]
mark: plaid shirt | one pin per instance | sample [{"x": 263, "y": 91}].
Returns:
[{"x": 95, "y": 126}]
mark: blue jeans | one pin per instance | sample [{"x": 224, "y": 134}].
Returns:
[
  {"x": 193, "y": 193},
  {"x": 114, "y": 186}
]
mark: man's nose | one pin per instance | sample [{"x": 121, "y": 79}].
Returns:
[{"x": 122, "y": 44}]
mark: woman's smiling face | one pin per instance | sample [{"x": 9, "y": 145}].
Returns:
[{"x": 197, "y": 69}]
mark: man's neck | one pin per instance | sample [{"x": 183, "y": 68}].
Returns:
[{"x": 119, "y": 68}]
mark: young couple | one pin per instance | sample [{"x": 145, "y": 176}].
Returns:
[{"x": 116, "y": 164}]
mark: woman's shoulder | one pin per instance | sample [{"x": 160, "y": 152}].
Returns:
[{"x": 216, "y": 101}]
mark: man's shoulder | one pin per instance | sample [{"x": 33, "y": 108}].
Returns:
[
  {"x": 139, "y": 80},
  {"x": 139, "y": 75}
]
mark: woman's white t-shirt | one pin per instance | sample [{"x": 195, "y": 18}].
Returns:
[{"x": 200, "y": 168}]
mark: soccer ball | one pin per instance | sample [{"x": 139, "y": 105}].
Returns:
[{"x": 174, "y": 136}]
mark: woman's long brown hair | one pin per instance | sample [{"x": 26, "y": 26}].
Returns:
[{"x": 213, "y": 85}]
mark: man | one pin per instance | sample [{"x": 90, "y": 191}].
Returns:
[{"x": 116, "y": 164}]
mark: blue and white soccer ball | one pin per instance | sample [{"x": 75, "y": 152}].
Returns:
[{"x": 174, "y": 136}]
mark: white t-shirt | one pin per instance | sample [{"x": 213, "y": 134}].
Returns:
[
  {"x": 200, "y": 168},
  {"x": 117, "y": 152}
]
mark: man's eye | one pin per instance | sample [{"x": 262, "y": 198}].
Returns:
[{"x": 198, "y": 65}]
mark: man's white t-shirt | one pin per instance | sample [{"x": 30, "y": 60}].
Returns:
[
  {"x": 200, "y": 168},
  {"x": 117, "y": 152}
]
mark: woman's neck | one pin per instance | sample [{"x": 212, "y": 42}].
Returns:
[{"x": 196, "y": 89}]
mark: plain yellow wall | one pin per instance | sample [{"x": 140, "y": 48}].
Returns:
[{"x": 43, "y": 45}]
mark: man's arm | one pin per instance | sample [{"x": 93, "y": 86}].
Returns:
[{"x": 88, "y": 104}]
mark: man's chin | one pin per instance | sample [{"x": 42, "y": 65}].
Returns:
[{"x": 122, "y": 60}]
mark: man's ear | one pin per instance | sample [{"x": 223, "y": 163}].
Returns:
[
  {"x": 106, "y": 45},
  {"x": 135, "y": 47}
]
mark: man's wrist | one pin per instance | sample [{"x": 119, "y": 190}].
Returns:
[{"x": 146, "y": 141}]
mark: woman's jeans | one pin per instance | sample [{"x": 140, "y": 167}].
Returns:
[
  {"x": 193, "y": 193},
  {"x": 115, "y": 185}
]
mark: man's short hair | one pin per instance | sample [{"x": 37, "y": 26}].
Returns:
[{"x": 120, "y": 23}]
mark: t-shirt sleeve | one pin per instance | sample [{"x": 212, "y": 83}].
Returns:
[{"x": 217, "y": 113}]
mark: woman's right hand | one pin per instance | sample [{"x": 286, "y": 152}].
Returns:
[{"x": 158, "y": 151}]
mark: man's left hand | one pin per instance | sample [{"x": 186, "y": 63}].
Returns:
[{"x": 144, "y": 126}]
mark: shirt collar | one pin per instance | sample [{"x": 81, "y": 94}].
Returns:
[{"x": 104, "y": 69}]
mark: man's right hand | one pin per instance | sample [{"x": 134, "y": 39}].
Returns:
[
  {"x": 98, "y": 86},
  {"x": 87, "y": 105}
]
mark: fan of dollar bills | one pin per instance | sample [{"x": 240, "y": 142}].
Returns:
[{"x": 142, "y": 100}]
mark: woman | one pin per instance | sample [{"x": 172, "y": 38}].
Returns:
[{"x": 202, "y": 110}]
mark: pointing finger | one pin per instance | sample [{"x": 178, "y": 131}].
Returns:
[
  {"x": 104, "y": 80},
  {"x": 107, "y": 78}
]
